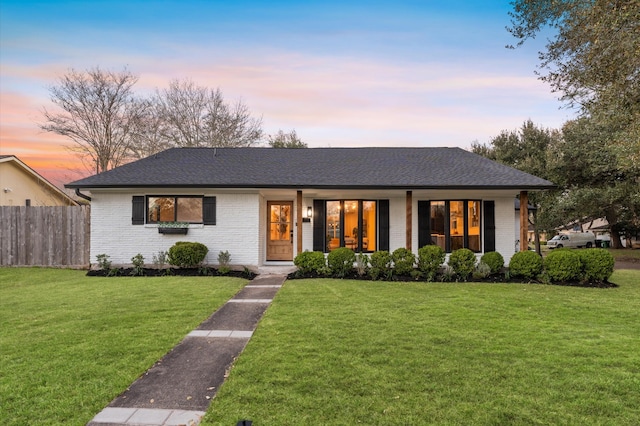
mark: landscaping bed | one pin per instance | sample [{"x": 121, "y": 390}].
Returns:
[{"x": 163, "y": 272}]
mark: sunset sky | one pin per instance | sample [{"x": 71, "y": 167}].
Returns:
[{"x": 342, "y": 74}]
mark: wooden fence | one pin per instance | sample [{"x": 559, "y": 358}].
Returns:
[{"x": 44, "y": 236}]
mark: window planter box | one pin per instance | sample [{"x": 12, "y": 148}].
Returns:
[{"x": 173, "y": 231}]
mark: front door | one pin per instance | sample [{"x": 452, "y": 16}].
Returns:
[{"x": 280, "y": 230}]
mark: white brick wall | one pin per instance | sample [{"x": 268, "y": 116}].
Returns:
[{"x": 236, "y": 229}]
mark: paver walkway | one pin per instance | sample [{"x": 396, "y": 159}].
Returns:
[{"x": 178, "y": 389}]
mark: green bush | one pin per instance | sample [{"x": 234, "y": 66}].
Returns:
[
  {"x": 597, "y": 264},
  {"x": 494, "y": 260},
  {"x": 482, "y": 271},
  {"x": 403, "y": 261},
  {"x": 224, "y": 259},
  {"x": 526, "y": 264},
  {"x": 463, "y": 262},
  {"x": 186, "y": 254},
  {"x": 340, "y": 262},
  {"x": 138, "y": 264},
  {"x": 380, "y": 265},
  {"x": 563, "y": 265},
  {"x": 362, "y": 264},
  {"x": 310, "y": 262},
  {"x": 430, "y": 258}
]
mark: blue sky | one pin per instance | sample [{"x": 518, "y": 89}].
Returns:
[{"x": 381, "y": 73}]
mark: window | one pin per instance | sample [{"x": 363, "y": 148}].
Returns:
[
  {"x": 455, "y": 224},
  {"x": 173, "y": 208},
  {"x": 351, "y": 224}
]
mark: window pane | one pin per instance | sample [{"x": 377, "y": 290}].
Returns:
[
  {"x": 333, "y": 225},
  {"x": 161, "y": 209},
  {"x": 190, "y": 210},
  {"x": 437, "y": 224},
  {"x": 351, "y": 224},
  {"x": 473, "y": 229},
  {"x": 368, "y": 226},
  {"x": 280, "y": 222},
  {"x": 456, "y": 224}
]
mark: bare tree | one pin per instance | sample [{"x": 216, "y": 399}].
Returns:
[
  {"x": 97, "y": 110},
  {"x": 286, "y": 140},
  {"x": 193, "y": 115},
  {"x": 149, "y": 137}
]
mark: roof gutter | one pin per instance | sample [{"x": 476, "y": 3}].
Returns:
[{"x": 81, "y": 195}]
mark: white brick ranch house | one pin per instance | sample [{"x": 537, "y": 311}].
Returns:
[{"x": 265, "y": 205}]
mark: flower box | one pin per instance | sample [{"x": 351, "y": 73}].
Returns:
[{"x": 172, "y": 231}]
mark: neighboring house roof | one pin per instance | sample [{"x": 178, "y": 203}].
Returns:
[
  {"x": 48, "y": 186},
  {"x": 354, "y": 168}
]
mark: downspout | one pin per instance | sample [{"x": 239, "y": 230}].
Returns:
[{"x": 81, "y": 195}]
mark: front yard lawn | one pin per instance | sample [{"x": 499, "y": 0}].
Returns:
[
  {"x": 343, "y": 352},
  {"x": 71, "y": 343}
]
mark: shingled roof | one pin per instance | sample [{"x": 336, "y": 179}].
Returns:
[{"x": 353, "y": 168}]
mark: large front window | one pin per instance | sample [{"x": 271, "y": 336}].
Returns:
[
  {"x": 174, "y": 209},
  {"x": 352, "y": 224},
  {"x": 455, "y": 224}
]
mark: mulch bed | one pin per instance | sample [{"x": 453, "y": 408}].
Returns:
[
  {"x": 163, "y": 272},
  {"x": 495, "y": 278}
]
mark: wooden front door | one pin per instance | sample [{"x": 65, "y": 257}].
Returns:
[{"x": 280, "y": 230}]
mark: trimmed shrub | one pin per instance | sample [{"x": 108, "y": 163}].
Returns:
[
  {"x": 526, "y": 264},
  {"x": 340, "y": 262},
  {"x": 597, "y": 264},
  {"x": 494, "y": 260},
  {"x": 563, "y": 265},
  {"x": 186, "y": 254},
  {"x": 310, "y": 262},
  {"x": 430, "y": 258},
  {"x": 403, "y": 261},
  {"x": 463, "y": 262},
  {"x": 380, "y": 265}
]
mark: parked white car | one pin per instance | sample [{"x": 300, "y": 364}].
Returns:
[{"x": 573, "y": 239}]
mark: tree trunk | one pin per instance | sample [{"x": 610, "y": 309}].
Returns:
[{"x": 612, "y": 218}]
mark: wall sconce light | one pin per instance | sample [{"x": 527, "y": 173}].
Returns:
[
  {"x": 309, "y": 215},
  {"x": 6, "y": 190}
]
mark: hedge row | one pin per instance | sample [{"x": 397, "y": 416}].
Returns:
[{"x": 560, "y": 266}]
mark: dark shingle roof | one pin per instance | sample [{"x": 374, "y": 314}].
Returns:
[{"x": 314, "y": 168}]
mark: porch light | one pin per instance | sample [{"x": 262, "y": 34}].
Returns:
[{"x": 308, "y": 215}]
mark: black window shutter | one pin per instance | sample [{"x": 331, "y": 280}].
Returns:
[
  {"x": 209, "y": 210},
  {"x": 319, "y": 243},
  {"x": 424, "y": 223},
  {"x": 137, "y": 212},
  {"x": 383, "y": 225},
  {"x": 489, "y": 226}
]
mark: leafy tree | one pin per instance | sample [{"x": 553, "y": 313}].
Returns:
[
  {"x": 286, "y": 140},
  {"x": 593, "y": 60},
  {"x": 526, "y": 149},
  {"x": 98, "y": 111},
  {"x": 594, "y": 184}
]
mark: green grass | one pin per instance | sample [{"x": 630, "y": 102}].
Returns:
[
  {"x": 71, "y": 343},
  {"x": 341, "y": 352},
  {"x": 625, "y": 254}
]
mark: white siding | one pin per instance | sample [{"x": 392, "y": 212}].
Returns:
[
  {"x": 236, "y": 229},
  {"x": 505, "y": 231}
]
